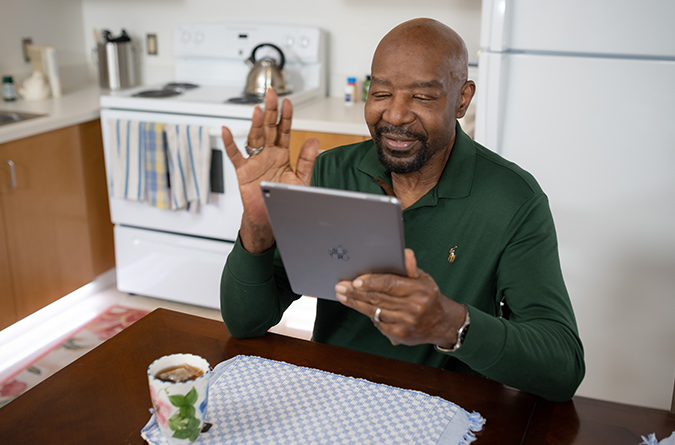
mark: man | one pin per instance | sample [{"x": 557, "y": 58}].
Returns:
[{"x": 483, "y": 294}]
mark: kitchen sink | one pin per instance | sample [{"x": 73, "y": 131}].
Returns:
[{"x": 9, "y": 117}]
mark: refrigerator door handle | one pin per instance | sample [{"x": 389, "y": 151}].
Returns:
[{"x": 495, "y": 30}]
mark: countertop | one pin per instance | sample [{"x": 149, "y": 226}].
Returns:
[
  {"x": 74, "y": 107},
  {"x": 329, "y": 115}
]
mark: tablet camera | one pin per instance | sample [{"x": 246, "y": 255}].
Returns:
[{"x": 339, "y": 253}]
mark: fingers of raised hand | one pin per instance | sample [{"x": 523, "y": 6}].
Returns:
[
  {"x": 230, "y": 147},
  {"x": 270, "y": 118},
  {"x": 256, "y": 136},
  {"x": 284, "y": 127}
]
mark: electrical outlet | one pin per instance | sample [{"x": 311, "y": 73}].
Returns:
[
  {"x": 151, "y": 44},
  {"x": 24, "y": 47}
]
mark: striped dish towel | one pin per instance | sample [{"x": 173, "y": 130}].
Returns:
[
  {"x": 156, "y": 168},
  {"x": 189, "y": 165},
  {"x": 128, "y": 173}
]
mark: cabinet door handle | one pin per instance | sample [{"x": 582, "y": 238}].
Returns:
[{"x": 12, "y": 173}]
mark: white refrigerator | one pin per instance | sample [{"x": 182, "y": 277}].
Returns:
[{"x": 582, "y": 95}]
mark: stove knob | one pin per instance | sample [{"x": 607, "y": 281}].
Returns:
[
  {"x": 305, "y": 42},
  {"x": 290, "y": 41},
  {"x": 186, "y": 36},
  {"x": 199, "y": 37}
]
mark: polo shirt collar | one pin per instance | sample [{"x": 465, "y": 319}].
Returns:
[{"x": 455, "y": 180}]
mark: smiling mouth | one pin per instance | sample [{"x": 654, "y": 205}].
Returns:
[
  {"x": 398, "y": 144},
  {"x": 399, "y": 140}
]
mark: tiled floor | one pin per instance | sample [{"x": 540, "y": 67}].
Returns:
[{"x": 23, "y": 342}]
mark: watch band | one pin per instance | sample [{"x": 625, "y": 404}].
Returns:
[{"x": 461, "y": 334}]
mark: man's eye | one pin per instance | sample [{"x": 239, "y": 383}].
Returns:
[{"x": 423, "y": 98}]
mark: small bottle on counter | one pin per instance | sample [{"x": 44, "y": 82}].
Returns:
[
  {"x": 366, "y": 87},
  {"x": 350, "y": 91},
  {"x": 8, "y": 89}
]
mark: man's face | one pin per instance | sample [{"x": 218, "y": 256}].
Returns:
[{"x": 411, "y": 106}]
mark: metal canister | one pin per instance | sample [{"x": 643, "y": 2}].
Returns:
[{"x": 117, "y": 65}]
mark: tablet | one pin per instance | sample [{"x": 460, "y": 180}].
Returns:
[{"x": 326, "y": 235}]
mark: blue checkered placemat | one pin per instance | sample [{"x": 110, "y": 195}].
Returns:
[{"x": 253, "y": 400}]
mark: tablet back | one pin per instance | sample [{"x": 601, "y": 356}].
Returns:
[{"x": 327, "y": 235}]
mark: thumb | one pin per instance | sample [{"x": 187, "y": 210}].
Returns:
[
  {"x": 411, "y": 264},
  {"x": 306, "y": 158},
  {"x": 230, "y": 147}
]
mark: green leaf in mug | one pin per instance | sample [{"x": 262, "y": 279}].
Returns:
[
  {"x": 193, "y": 423},
  {"x": 177, "y": 422},
  {"x": 187, "y": 411},
  {"x": 182, "y": 434},
  {"x": 191, "y": 397},
  {"x": 177, "y": 400}
]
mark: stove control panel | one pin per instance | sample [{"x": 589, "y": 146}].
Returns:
[{"x": 300, "y": 44}]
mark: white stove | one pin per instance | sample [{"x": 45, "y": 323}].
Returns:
[
  {"x": 212, "y": 58},
  {"x": 176, "y": 254}
]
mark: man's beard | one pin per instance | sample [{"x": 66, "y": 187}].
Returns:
[{"x": 396, "y": 162}]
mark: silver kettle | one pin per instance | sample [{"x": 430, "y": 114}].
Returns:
[{"x": 266, "y": 73}]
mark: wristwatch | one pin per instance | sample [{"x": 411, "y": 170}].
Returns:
[{"x": 461, "y": 334}]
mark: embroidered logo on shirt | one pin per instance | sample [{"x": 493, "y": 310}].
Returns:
[
  {"x": 453, "y": 254},
  {"x": 339, "y": 253}
]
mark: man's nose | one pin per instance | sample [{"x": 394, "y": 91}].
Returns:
[{"x": 399, "y": 112}]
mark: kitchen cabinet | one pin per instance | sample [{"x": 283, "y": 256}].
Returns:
[
  {"x": 7, "y": 311},
  {"x": 56, "y": 232},
  {"x": 326, "y": 141}
]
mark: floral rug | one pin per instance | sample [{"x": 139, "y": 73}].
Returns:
[{"x": 109, "y": 323}]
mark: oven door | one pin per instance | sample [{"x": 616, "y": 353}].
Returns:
[
  {"x": 220, "y": 218},
  {"x": 173, "y": 267}
]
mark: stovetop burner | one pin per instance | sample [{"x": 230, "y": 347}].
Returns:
[
  {"x": 246, "y": 99},
  {"x": 168, "y": 90},
  {"x": 179, "y": 86},
  {"x": 156, "y": 93}
]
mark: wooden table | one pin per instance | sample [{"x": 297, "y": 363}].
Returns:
[{"x": 103, "y": 397}]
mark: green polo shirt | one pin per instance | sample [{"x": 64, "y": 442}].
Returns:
[{"x": 497, "y": 220}]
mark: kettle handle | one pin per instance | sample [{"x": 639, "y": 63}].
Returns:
[{"x": 282, "y": 59}]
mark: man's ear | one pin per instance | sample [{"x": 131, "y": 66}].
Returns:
[{"x": 468, "y": 90}]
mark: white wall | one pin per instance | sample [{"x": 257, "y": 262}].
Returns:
[
  {"x": 353, "y": 27},
  {"x": 47, "y": 22}
]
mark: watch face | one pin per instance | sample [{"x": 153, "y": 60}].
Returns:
[{"x": 462, "y": 336}]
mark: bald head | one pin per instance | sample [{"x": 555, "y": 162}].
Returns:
[{"x": 431, "y": 37}]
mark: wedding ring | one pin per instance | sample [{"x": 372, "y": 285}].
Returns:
[
  {"x": 253, "y": 151},
  {"x": 376, "y": 317}
]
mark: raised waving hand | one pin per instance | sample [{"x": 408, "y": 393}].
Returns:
[{"x": 268, "y": 160}]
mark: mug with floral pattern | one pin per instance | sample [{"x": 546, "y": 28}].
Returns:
[{"x": 180, "y": 406}]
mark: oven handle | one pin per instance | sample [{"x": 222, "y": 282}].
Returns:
[
  {"x": 217, "y": 250},
  {"x": 216, "y": 132}
]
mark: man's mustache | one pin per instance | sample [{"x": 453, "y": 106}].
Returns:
[{"x": 392, "y": 131}]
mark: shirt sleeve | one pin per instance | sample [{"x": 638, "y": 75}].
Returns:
[
  {"x": 254, "y": 291},
  {"x": 537, "y": 349}
]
